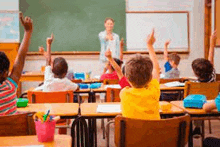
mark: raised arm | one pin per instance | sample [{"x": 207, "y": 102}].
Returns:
[
  {"x": 153, "y": 57},
  {"x": 49, "y": 43},
  {"x": 20, "y": 58},
  {"x": 108, "y": 55},
  {"x": 212, "y": 46},
  {"x": 121, "y": 48},
  {"x": 165, "y": 53}
]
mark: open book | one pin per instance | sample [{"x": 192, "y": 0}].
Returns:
[
  {"x": 174, "y": 84},
  {"x": 105, "y": 108}
]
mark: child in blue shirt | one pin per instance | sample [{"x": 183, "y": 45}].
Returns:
[{"x": 172, "y": 62}]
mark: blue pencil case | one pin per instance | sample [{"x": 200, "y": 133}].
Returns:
[
  {"x": 83, "y": 86},
  {"x": 194, "y": 101},
  {"x": 95, "y": 85},
  {"x": 79, "y": 75}
]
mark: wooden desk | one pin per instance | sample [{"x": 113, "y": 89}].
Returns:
[
  {"x": 61, "y": 109},
  {"x": 196, "y": 114},
  {"x": 89, "y": 109},
  {"x": 59, "y": 141}
]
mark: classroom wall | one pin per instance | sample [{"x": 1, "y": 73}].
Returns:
[{"x": 196, "y": 12}]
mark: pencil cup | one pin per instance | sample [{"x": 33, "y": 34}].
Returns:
[{"x": 45, "y": 130}]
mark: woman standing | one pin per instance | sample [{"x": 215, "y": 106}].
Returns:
[{"x": 110, "y": 40}]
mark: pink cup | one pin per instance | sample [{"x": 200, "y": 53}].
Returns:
[{"x": 45, "y": 131}]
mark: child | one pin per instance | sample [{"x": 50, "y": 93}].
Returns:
[
  {"x": 122, "y": 79},
  {"x": 141, "y": 100},
  {"x": 172, "y": 62},
  {"x": 204, "y": 71},
  {"x": 8, "y": 83},
  {"x": 111, "y": 71},
  {"x": 55, "y": 76}
]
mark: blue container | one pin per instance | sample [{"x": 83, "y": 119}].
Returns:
[
  {"x": 83, "y": 86},
  {"x": 79, "y": 75},
  {"x": 194, "y": 101},
  {"x": 95, "y": 85}
]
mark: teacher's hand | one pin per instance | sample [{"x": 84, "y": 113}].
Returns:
[{"x": 109, "y": 37}]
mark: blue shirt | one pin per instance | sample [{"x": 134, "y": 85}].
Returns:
[
  {"x": 167, "y": 66},
  {"x": 217, "y": 103},
  {"x": 113, "y": 45}
]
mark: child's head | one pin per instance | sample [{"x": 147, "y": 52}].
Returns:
[
  {"x": 138, "y": 70},
  {"x": 174, "y": 59},
  {"x": 60, "y": 67},
  {"x": 202, "y": 68},
  {"x": 4, "y": 66},
  {"x": 109, "y": 66}
]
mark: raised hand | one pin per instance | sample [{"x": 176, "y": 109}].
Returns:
[
  {"x": 50, "y": 39},
  {"x": 42, "y": 51},
  {"x": 108, "y": 53},
  {"x": 213, "y": 38},
  {"x": 150, "y": 38},
  {"x": 27, "y": 23},
  {"x": 122, "y": 42},
  {"x": 167, "y": 43}
]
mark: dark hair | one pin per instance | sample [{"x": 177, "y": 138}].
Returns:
[
  {"x": 123, "y": 70},
  {"x": 4, "y": 63},
  {"x": 109, "y": 18},
  {"x": 60, "y": 67},
  {"x": 202, "y": 68},
  {"x": 119, "y": 62},
  {"x": 138, "y": 70},
  {"x": 174, "y": 57}
]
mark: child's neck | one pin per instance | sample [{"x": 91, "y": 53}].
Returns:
[{"x": 174, "y": 66}]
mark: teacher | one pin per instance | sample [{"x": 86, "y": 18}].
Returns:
[{"x": 109, "y": 40}]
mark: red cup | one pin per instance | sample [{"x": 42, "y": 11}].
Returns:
[{"x": 45, "y": 131}]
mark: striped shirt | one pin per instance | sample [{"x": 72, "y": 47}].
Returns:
[{"x": 8, "y": 97}]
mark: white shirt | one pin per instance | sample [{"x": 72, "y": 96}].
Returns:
[
  {"x": 55, "y": 84},
  {"x": 113, "y": 45}
]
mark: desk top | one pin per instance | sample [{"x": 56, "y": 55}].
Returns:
[
  {"x": 61, "y": 109},
  {"x": 59, "y": 141},
  {"x": 89, "y": 109},
  {"x": 190, "y": 110}
]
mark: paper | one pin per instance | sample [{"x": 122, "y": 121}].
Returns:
[
  {"x": 28, "y": 146},
  {"x": 174, "y": 84},
  {"x": 109, "y": 108},
  {"x": 113, "y": 86}
]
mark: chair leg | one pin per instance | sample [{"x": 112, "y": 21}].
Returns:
[
  {"x": 210, "y": 127},
  {"x": 108, "y": 132},
  {"x": 103, "y": 127}
]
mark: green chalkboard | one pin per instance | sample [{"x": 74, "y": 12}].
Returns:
[{"x": 75, "y": 23}]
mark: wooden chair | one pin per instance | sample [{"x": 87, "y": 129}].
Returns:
[
  {"x": 172, "y": 132},
  {"x": 17, "y": 125},
  {"x": 77, "y": 80},
  {"x": 53, "y": 97},
  {"x": 110, "y": 81},
  {"x": 210, "y": 90},
  {"x": 162, "y": 81},
  {"x": 217, "y": 77}
]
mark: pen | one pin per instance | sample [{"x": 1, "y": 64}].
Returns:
[{"x": 46, "y": 115}]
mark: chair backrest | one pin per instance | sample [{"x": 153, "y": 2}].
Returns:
[
  {"x": 217, "y": 77},
  {"x": 17, "y": 125},
  {"x": 162, "y": 81},
  {"x": 50, "y": 97},
  {"x": 110, "y": 81},
  {"x": 210, "y": 90},
  {"x": 112, "y": 95},
  {"x": 77, "y": 80},
  {"x": 172, "y": 132}
]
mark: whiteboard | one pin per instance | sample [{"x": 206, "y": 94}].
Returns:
[{"x": 173, "y": 26}]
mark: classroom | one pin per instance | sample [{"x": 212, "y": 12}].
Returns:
[{"x": 75, "y": 33}]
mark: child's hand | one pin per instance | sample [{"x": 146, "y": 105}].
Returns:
[
  {"x": 108, "y": 54},
  {"x": 122, "y": 42},
  {"x": 50, "y": 39},
  {"x": 167, "y": 43},
  {"x": 41, "y": 51},
  {"x": 151, "y": 39},
  {"x": 27, "y": 23},
  {"x": 213, "y": 38}
]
